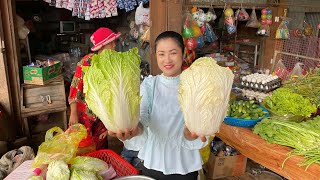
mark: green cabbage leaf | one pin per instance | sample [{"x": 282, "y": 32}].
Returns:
[
  {"x": 112, "y": 88},
  {"x": 77, "y": 174},
  {"x": 58, "y": 170},
  {"x": 88, "y": 163}
]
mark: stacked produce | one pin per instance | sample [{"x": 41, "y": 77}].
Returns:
[
  {"x": 308, "y": 86},
  {"x": 303, "y": 137},
  {"x": 245, "y": 110},
  {"x": 81, "y": 167}
]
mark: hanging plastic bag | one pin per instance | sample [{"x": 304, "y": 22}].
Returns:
[
  {"x": 242, "y": 15},
  {"x": 253, "y": 21},
  {"x": 264, "y": 30},
  {"x": 146, "y": 36},
  {"x": 209, "y": 35},
  {"x": 231, "y": 28},
  {"x": 283, "y": 30},
  {"x": 211, "y": 15},
  {"x": 188, "y": 26},
  {"x": 197, "y": 21},
  {"x": 142, "y": 16},
  {"x": 60, "y": 145},
  {"x": 281, "y": 71},
  {"x": 298, "y": 71},
  {"x": 307, "y": 29}
]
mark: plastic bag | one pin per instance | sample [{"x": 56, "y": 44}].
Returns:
[
  {"x": 209, "y": 35},
  {"x": 283, "y": 31},
  {"x": 281, "y": 71},
  {"x": 242, "y": 15},
  {"x": 264, "y": 30},
  {"x": 211, "y": 15},
  {"x": 205, "y": 151},
  {"x": 146, "y": 35},
  {"x": 59, "y": 145},
  {"x": 142, "y": 16},
  {"x": 189, "y": 26},
  {"x": 297, "y": 71},
  {"x": 253, "y": 21},
  {"x": 307, "y": 29}
]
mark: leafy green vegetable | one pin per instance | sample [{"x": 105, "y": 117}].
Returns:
[
  {"x": 58, "y": 170},
  {"x": 204, "y": 94},
  {"x": 307, "y": 86},
  {"x": 284, "y": 101},
  {"x": 77, "y": 174},
  {"x": 112, "y": 88},
  {"x": 88, "y": 164},
  {"x": 304, "y": 137}
]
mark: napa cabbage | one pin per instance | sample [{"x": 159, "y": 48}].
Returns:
[
  {"x": 58, "y": 170},
  {"x": 204, "y": 94},
  {"x": 112, "y": 88}
]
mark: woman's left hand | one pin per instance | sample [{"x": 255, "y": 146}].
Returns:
[{"x": 192, "y": 136}]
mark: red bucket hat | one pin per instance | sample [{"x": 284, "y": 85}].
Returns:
[{"x": 101, "y": 37}]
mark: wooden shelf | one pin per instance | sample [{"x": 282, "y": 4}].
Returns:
[{"x": 268, "y": 155}]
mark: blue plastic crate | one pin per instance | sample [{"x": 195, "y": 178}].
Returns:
[{"x": 245, "y": 122}]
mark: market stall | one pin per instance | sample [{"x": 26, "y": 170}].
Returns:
[
  {"x": 266, "y": 154},
  {"x": 270, "y": 98}
]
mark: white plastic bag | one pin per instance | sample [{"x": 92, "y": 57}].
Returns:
[
  {"x": 142, "y": 16},
  {"x": 253, "y": 21}
]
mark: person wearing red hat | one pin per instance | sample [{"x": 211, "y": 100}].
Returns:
[{"x": 103, "y": 38}]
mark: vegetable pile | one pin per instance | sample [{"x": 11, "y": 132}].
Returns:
[
  {"x": 204, "y": 95},
  {"x": 112, "y": 88},
  {"x": 303, "y": 137},
  {"x": 81, "y": 167},
  {"x": 308, "y": 86},
  {"x": 284, "y": 101},
  {"x": 245, "y": 110}
]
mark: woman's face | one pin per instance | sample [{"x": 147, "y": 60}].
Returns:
[
  {"x": 110, "y": 45},
  {"x": 169, "y": 57}
]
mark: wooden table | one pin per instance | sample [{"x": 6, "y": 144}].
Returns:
[{"x": 268, "y": 155}]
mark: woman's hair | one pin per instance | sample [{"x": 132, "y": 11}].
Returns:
[{"x": 171, "y": 34}]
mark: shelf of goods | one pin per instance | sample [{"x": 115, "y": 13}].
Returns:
[
  {"x": 268, "y": 155},
  {"x": 43, "y": 99}
]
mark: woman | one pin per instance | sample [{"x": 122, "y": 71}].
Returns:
[
  {"x": 102, "y": 39},
  {"x": 169, "y": 150}
]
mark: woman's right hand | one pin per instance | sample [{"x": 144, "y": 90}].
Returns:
[
  {"x": 73, "y": 119},
  {"x": 127, "y": 134}
]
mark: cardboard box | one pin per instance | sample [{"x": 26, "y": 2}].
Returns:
[
  {"x": 41, "y": 76},
  {"x": 219, "y": 167}
]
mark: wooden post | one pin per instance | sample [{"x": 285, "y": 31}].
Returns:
[{"x": 7, "y": 8}]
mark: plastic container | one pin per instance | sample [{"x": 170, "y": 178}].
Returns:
[
  {"x": 244, "y": 122},
  {"x": 86, "y": 146},
  {"x": 121, "y": 166}
]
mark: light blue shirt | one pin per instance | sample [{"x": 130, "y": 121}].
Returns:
[{"x": 162, "y": 144}]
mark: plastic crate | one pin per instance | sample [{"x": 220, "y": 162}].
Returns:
[{"x": 121, "y": 166}]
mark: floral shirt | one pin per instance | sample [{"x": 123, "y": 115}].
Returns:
[{"x": 76, "y": 90}]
